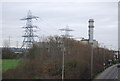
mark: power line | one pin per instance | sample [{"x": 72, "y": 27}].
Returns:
[{"x": 47, "y": 23}]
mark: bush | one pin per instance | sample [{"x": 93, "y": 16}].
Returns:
[{"x": 8, "y": 54}]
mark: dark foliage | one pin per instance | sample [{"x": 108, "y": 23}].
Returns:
[{"x": 8, "y": 54}]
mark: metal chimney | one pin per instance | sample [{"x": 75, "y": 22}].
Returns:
[{"x": 91, "y": 26}]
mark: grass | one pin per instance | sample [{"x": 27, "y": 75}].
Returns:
[
  {"x": 0, "y": 65},
  {"x": 9, "y": 64},
  {"x": 98, "y": 74}
]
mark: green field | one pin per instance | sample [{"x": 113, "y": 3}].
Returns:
[
  {"x": 9, "y": 64},
  {"x": 0, "y": 65}
]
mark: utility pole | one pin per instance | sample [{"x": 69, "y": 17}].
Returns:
[
  {"x": 103, "y": 52},
  {"x": 119, "y": 31},
  {"x": 16, "y": 44},
  {"x": 91, "y": 26},
  {"x": 9, "y": 41},
  {"x": 67, "y": 30},
  {"x": 104, "y": 63},
  {"x": 91, "y": 60},
  {"x": 63, "y": 63},
  {"x": 29, "y": 31}
]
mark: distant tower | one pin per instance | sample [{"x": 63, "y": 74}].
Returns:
[
  {"x": 29, "y": 31},
  {"x": 67, "y": 30},
  {"x": 91, "y": 26}
]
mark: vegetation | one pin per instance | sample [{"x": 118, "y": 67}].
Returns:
[
  {"x": 8, "y": 54},
  {"x": 44, "y": 60},
  {"x": 9, "y": 64},
  {"x": 0, "y": 66}
]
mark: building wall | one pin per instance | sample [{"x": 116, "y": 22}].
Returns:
[{"x": 95, "y": 43}]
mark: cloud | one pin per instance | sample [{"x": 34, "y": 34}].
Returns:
[{"x": 56, "y": 15}]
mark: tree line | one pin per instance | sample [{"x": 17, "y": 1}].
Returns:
[{"x": 44, "y": 60}]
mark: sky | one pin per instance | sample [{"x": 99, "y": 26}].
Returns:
[{"x": 55, "y": 15}]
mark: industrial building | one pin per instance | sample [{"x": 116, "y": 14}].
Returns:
[{"x": 90, "y": 34}]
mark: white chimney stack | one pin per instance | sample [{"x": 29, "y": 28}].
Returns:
[{"x": 91, "y": 26}]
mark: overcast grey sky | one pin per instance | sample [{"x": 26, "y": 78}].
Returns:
[{"x": 56, "y": 15}]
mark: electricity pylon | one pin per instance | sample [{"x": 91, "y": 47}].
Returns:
[
  {"x": 29, "y": 31},
  {"x": 66, "y": 30},
  {"x": 66, "y": 35}
]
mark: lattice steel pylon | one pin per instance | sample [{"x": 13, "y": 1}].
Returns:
[
  {"x": 29, "y": 31},
  {"x": 67, "y": 30}
]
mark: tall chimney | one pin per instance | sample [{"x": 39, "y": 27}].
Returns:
[{"x": 91, "y": 26}]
